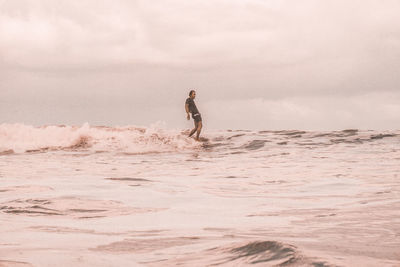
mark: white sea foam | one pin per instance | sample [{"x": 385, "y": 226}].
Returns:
[
  {"x": 20, "y": 138},
  {"x": 244, "y": 197}
]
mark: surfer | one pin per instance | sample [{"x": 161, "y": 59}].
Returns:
[{"x": 190, "y": 107}]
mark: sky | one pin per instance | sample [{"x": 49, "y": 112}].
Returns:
[{"x": 255, "y": 64}]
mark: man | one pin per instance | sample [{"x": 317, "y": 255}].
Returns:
[{"x": 190, "y": 107}]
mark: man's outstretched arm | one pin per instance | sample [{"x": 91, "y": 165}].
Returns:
[{"x": 187, "y": 111}]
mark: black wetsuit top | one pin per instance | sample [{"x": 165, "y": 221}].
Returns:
[
  {"x": 193, "y": 109},
  {"x": 192, "y": 106}
]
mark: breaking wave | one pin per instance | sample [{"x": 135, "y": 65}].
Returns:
[{"x": 20, "y": 138}]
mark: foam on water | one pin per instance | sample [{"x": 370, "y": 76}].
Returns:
[
  {"x": 20, "y": 138},
  {"x": 272, "y": 198}
]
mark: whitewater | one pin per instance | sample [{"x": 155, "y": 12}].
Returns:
[{"x": 150, "y": 196}]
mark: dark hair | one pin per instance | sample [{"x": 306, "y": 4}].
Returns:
[{"x": 190, "y": 93}]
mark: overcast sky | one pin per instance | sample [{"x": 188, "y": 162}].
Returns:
[{"x": 255, "y": 64}]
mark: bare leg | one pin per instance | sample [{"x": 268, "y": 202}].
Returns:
[
  {"x": 199, "y": 126},
  {"x": 194, "y": 130}
]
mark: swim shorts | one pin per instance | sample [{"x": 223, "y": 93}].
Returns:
[{"x": 196, "y": 117}]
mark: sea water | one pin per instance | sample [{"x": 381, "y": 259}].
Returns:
[{"x": 137, "y": 196}]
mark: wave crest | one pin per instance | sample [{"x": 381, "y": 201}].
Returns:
[{"x": 21, "y": 138}]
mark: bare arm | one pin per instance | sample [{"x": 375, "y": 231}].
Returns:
[{"x": 187, "y": 111}]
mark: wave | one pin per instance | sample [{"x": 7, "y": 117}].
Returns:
[
  {"x": 266, "y": 251},
  {"x": 21, "y": 138},
  {"x": 244, "y": 253}
]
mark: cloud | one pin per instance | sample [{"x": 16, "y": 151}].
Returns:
[
  {"x": 136, "y": 52},
  {"x": 200, "y": 33},
  {"x": 368, "y": 111}
]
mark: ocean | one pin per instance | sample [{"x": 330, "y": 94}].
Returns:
[{"x": 147, "y": 196}]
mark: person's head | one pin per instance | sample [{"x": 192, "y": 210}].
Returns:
[{"x": 192, "y": 94}]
